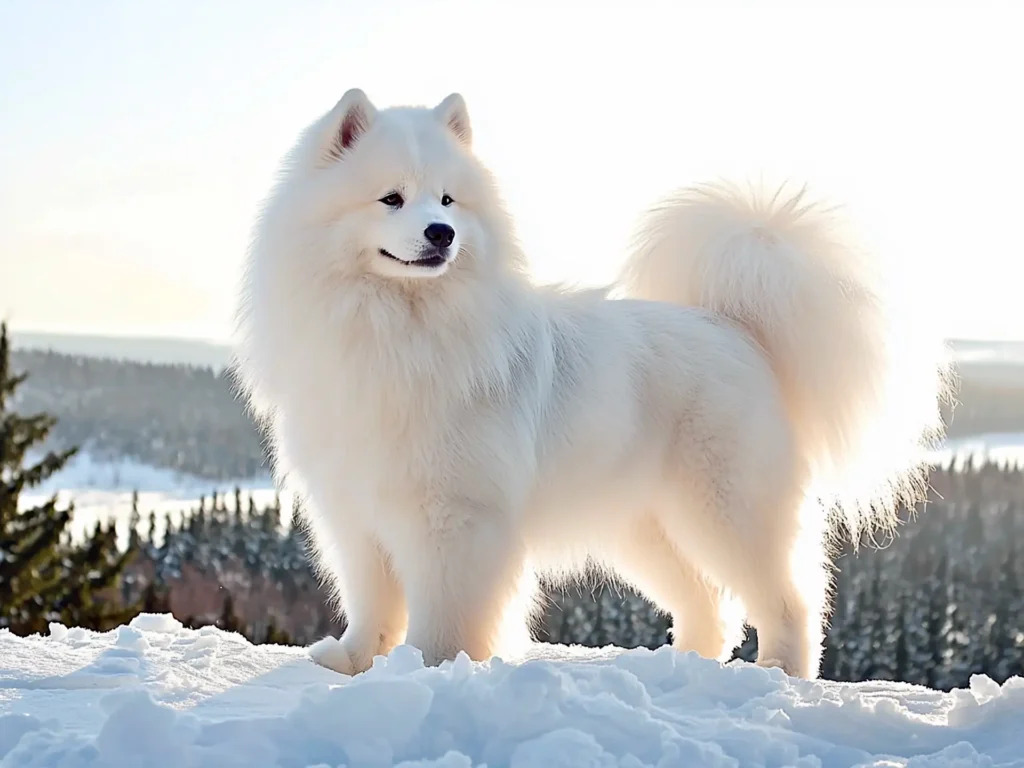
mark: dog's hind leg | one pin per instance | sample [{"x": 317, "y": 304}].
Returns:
[
  {"x": 646, "y": 559},
  {"x": 774, "y": 566}
]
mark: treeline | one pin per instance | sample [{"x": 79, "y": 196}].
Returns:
[
  {"x": 177, "y": 417},
  {"x": 227, "y": 561}
]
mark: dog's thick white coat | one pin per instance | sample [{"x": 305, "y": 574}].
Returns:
[{"x": 456, "y": 430}]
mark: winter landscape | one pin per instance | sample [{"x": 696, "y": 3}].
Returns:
[{"x": 157, "y": 596}]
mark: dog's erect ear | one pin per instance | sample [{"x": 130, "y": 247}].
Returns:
[
  {"x": 355, "y": 115},
  {"x": 452, "y": 112}
]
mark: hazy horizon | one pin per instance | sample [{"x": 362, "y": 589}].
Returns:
[
  {"x": 138, "y": 139},
  {"x": 216, "y": 353},
  {"x": 128, "y": 335}
]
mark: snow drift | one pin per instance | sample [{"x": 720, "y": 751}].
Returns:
[{"x": 155, "y": 694}]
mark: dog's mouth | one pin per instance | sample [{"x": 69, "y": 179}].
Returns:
[{"x": 438, "y": 259}]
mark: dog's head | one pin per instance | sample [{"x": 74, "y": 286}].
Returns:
[{"x": 394, "y": 193}]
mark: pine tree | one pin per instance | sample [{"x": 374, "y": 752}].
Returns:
[
  {"x": 91, "y": 570},
  {"x": 229, "y": 620},
  {"x": 275, "y": 635},
  {"x": 134, "y": 520},
  {"x": 938, "y": 608},
  {"x": 43, "y": 576},
  {"x": 272, "y": 516},
  {"x": 155, "y": 599},
  {"x": 150, "y": 529},
  {"x": 901, "y": 660},
  {"x": 199, "y": 522}
]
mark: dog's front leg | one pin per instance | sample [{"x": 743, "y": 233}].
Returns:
[
  {"x": 372, "y": 600},
  {"x": 460, "y": 576}
]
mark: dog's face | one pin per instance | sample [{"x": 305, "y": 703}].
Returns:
[{"x": 395, "y": 193}]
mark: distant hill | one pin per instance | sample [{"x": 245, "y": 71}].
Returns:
[
  {"x": 975, "y": 350},
  {"x": 175, "y": 416},
  {"x": 140, "y": 349},
  {"x": 991, "y": 394}
]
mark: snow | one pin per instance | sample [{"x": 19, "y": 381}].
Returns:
[
  {"x": 102, "y": 489},
  {"x": 88, "y": 472},
  {"x": 85, "y": 472},
  {"x": 155, "y": 694}
]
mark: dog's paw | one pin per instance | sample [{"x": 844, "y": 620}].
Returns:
[{"x": 332, "y": 654}]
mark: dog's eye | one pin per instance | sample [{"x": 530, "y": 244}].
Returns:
[
  {"x": 392, "y": 200},
  {"x": 446, "y": 200}
]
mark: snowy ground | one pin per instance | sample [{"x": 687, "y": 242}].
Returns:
[{"x": 154, "y": 694}]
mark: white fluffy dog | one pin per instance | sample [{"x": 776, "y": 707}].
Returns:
[{"x": 455, "y": 430}]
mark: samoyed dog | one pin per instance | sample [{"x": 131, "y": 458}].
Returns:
[{"x": 700, "y": 430}]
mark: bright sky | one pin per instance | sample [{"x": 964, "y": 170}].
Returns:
[{"x": 137, "y": 138}]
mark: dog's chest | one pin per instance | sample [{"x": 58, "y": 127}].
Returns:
[{"x": 371, "y": 421}]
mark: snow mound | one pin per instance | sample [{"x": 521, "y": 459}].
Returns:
[{"x": 155, "y": 694}]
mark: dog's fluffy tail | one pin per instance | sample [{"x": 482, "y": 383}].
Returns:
[{"x": 862, "y": 389}]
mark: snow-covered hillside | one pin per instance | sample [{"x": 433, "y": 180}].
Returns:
[
  {"x": 154, "y": 694},
  {"x": 102, "y": 489},
  {"x": 86, "y": 472}
]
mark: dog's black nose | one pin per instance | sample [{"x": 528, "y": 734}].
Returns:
[{"x": 439, "y": 235}]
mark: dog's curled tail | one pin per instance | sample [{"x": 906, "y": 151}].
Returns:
[{"x": 862, "y": 388}]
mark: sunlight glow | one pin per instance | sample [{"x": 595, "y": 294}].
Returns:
[{"x": 137, "y": 139}]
